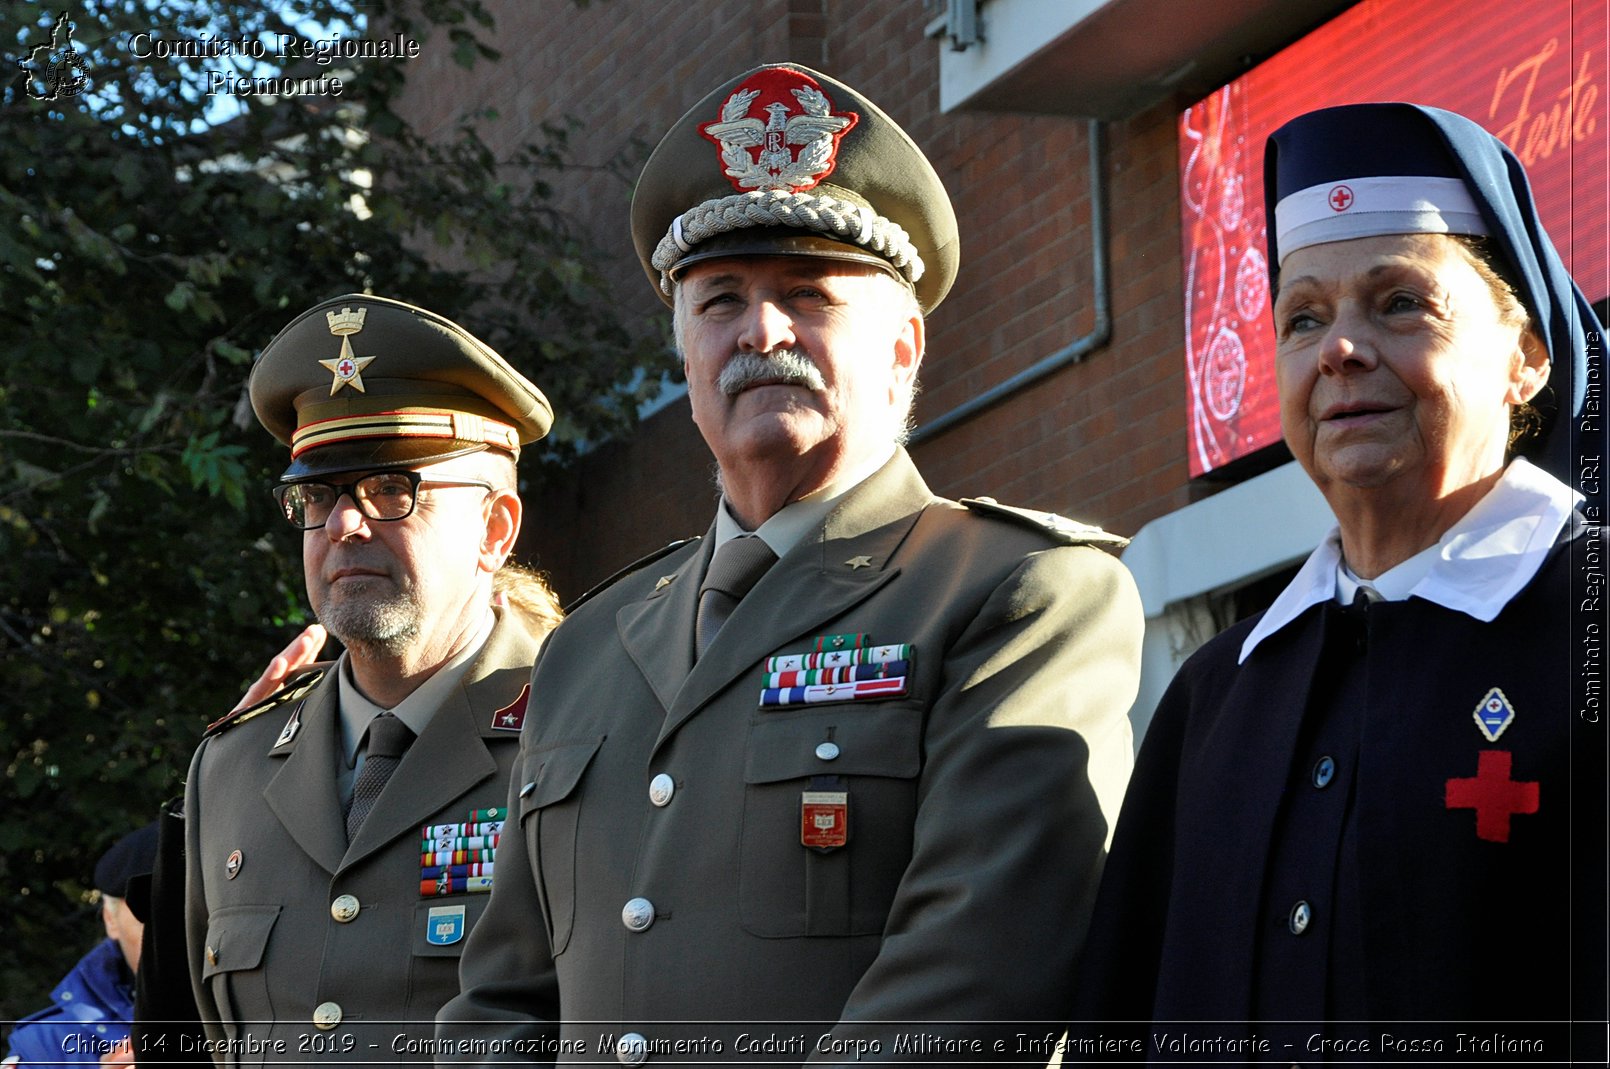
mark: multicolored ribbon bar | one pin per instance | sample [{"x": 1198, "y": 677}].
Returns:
[
  {"x": 434, "y": 872},
  {"x": 456, "y": 885},
  {"x": 852, "y": 673},
  {"x": 863, "y": 690},
  {"x": 833, "y": 643},
  {"x": 455, "y": 857},
  {"x": 437, "y": 831},
  {"x": 463, "y": 842},
  {"x": 458, "y": 858},
  {"x": 799, "y": 662}
]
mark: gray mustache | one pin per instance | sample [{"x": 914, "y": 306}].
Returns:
[{"x": 788, "y": 367}]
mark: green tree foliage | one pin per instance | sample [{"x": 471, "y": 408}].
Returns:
[{"x": 155, "y": 238}]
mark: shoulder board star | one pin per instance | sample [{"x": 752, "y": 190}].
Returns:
[
  {"x": 635, "y": 566},
  {"x": 1068, "y": 532},
  {"x": 664, "y": 581},
  {"x": 862, "y": 561}
]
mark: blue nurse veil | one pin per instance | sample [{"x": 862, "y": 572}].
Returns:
[{"x": 1364, "y": 140}]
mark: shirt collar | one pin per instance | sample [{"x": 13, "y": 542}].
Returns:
[
  {"x": 1477, "y": 567},
  {"x": 794, "y": 522},
  {"x": 1394, "y": 584},
  {"x": 414, "y": 710}
]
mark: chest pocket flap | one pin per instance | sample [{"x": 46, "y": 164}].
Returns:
[
  {"x": 866, "y": 740},
  {"x": 549, "y": 813},
  {"x": 549, "y": 775},
  {"x": 236, "y": 938}
]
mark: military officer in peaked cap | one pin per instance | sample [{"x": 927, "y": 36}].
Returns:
[
  {"x": 342, "y": 835},
  {"x": 852, "y": 758}
]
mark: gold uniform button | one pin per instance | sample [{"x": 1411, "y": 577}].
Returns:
[
  {"x": 212, "y": 956},
  {"x": 326, "y": 1015},
  {"x": 344, "y": 909}
]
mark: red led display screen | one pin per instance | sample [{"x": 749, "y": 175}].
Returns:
[{"x": 1534, "y": 73}]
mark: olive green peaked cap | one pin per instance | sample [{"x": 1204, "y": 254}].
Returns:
[
  {"x": 784, "y": 160},
  {"x": 367, "y": 382}
]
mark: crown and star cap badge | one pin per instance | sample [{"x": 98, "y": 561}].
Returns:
[
  {"x": 347, "y": 368},
  {"x": 360, "y": 382},
  {"x": 786, "y": 161}
]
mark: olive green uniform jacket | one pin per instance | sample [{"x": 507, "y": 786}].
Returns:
[
  {"x": 978, "y": 805},
  {"x": 266, "y": 950}
]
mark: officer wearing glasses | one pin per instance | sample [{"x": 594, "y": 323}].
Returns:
[
  {"x": 342, "y": 835},
  {"x": 385, "y": 495}
]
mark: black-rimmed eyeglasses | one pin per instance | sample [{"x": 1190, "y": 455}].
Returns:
[{"x": 384, "y": 496}]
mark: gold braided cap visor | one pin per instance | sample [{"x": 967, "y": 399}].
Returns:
[
  {"x": 408, "y": 423},
  {"x": 778, "y": 223},
  {"x": 772, "y": 242},
  {"x": 395, "y": 424}
]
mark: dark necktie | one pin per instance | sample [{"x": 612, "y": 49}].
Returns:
[
  {"x": 1365, "y": 595},
  {"x": 388, "y": 741},
  {"x": 738, "y": 565}
]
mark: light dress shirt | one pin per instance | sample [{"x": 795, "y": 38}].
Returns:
[
  {"x": 414, "y": 710},
  {"x": 1477, "y": 566},
  {"x": 797, "y": 519}
]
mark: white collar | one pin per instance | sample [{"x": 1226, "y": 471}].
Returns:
[
  {"x": 414, "y": 710},
  {"x": 1477, "y": 567},
  {"x": 792, "y": 523},
  {"x": 1394, "y": 584}
]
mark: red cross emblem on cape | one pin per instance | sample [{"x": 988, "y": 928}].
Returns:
[
  {"x": 778, "y": 130},
  {"x": 1492, "y": 794}
]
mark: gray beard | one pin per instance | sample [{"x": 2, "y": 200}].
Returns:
[{"x": 374, "y": 624}]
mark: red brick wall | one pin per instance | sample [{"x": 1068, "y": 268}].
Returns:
[{"x": 1103, "y": 441}]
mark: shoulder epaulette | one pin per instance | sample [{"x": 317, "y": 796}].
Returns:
[
  {"x": 636, "y": 565},
  {"x": 296, "y": 687},
  {"x": 1068, "y": 532}
]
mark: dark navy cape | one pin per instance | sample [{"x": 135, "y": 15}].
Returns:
[{"x": 1412, "y": 916}]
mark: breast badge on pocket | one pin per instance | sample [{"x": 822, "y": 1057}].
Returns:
[
  {"x": 824, "y": 814},
  {"x": 445, "y": 925}
]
